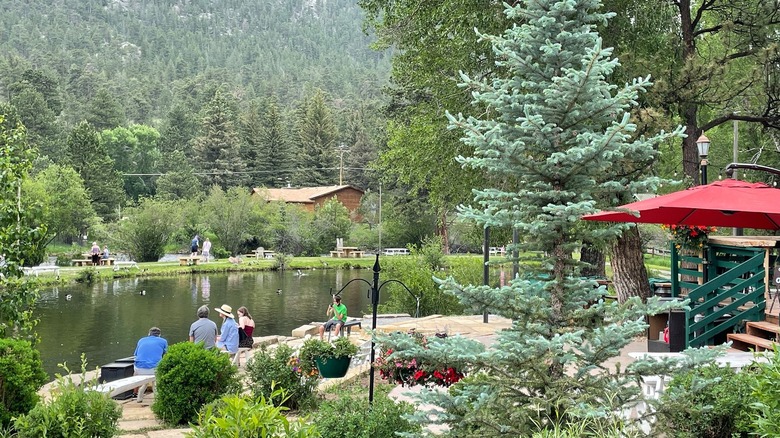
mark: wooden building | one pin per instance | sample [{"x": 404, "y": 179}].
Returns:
[{"x": 312, "y": 197}]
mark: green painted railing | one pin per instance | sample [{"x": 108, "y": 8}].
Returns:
[{"x": 732, "y": 291}]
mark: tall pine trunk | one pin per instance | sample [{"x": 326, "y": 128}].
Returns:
[{"x": 628, "y": 267}]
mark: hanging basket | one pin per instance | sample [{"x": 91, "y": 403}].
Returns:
[{"x": 333, "y": 367}]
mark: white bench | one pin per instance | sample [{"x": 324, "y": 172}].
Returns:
[
  {"x": 38, "y": 269},
  {"x": 123, "y": 385},
  {"x": 127, "y": 264}
]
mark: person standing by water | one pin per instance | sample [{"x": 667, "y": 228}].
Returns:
[
  {"x": 246, "y": 326},
  {"x": 194, "y": 246},
  {"x": 228, "y": 336},
  {"x": 148, "y": 353},
  {"x": 206, "y": 251},
  {"x": 204, "y": 330},
  {"x": 95, "y": 252}
]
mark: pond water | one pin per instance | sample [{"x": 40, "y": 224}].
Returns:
[{"x": 105, "y": 320}]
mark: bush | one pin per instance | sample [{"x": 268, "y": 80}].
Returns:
[
  {"x": 87, "y": 275},
  {"x": 271, "y": 370},
  {"x": 766, "y": 396},
  {"x": 73, "y": 412},
  {"x": 189, "y": 377},
  {"x": 22, "y": 375},
  {"x": 234, "y": 416},
  {"x": 710, "y": 401},
  {"x": 344, "y": 417},
  {"x": 314, "y": 348}
]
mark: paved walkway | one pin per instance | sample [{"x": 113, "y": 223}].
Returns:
[{"x": 138, "y": 421}]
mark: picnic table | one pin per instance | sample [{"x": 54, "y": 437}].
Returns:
[
  {"x": 347, "y": 252},
  {"x": 185, "y": 261},
  {"x": 262, "y": 253}
]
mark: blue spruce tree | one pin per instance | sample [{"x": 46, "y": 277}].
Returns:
[{"x": 559, "y": 137}]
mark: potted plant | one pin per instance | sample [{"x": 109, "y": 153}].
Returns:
[{"x": 331, "y": 360}]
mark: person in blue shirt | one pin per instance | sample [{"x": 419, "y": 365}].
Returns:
[
  {"x": 228, "y": 336},
  {"x": 194, "y": 246},
  {"x": 148, "y": 352}
]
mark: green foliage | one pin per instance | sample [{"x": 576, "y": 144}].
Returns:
[
  {"x": 242, "y": 416},
  {"x": 73, "y": 412},
  {"x": 88, "y": 275},
  {"x": 235, "y": 216},
  {"x": 347, "y": 417},
  {"x": 22, "y": 237},
  {"x": 765, "y": 395},
  {"x": 67, "y": 208},
  {"x": 148, "y": 227},
  {"x": 271, "y": 370},
  {"x": 331, "y": 221},
  {"x": 706, "y": 402},
  {"x": 22, "y": 375},
  {"x": 417, "y": 272},
  {"x": 314, "y": 348},
  {"x": 188, "y": 377}
]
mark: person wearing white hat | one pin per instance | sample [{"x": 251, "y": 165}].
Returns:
[{"x": 228, "y": 337}]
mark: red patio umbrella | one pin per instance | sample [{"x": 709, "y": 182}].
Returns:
[{"x": 727, "y": 203}]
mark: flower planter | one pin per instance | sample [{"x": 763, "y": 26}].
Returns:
[{"x": 333, "y": 367}]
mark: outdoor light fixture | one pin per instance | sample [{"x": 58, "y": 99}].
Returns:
[{"x": 703, "y": 143}]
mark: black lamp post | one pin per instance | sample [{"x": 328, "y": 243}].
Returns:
[
  {"x": 703, "y": 144},
  {"x": 375, "y": 288}
]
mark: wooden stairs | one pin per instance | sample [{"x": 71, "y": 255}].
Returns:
[{"x": 758, "y": 336}]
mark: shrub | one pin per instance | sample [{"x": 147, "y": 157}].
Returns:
[
  {"x": 278, "y": 368},
  {"x": 765, "y": 394},
  {"x": 709, "y": 401},
  {"x": 234, "y": 416},
  {"x": 314, "y": 348},
  {"x": 22, "y": 375},
  {"x": 188, "y": 377},
  {"x": 73, "y": 412},
  {"x": 87, "y": 275},
  {"x": 344, "y": 418}
]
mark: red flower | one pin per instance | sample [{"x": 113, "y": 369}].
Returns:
[{"x": 419, "y": 375}]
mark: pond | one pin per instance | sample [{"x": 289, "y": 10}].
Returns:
[{"x": 105, "y": 320}]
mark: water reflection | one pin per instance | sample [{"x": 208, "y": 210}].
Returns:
[{"x": 105, "y": 320}]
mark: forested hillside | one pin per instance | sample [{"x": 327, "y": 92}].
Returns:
[{"x": 142, "y": 51}]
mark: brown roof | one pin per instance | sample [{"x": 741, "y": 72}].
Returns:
[{"x": 301, "y": 195}]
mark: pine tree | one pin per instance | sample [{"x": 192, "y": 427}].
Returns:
[
  {"x": 317, "y": 162},
  {"x": 275, "y": 146},
  {"x": 560, "y": 128},
  {"x": 218, "y": 146},
  {"x": 88, "y": 156}
]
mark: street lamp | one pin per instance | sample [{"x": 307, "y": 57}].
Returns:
[{"x": 703, "y": 143}]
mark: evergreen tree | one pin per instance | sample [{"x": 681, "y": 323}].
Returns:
[
  {"x": 218, "y": 147},
  {"x": 558, "y": 126},
  {"x": 317, "y": 162},
  {"x": 251, "y": 132},
  {"x": 277, "y": 165},
  {"x": 177, "y": 131},
  {"x": 87, "y": 155},
  {"x": 105, "y": 111},
  {"x": 179, "y": 180}
]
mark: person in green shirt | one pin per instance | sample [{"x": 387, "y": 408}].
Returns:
[{"x": 339, "y": 313}]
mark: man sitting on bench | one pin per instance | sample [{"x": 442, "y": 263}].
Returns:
[{"x": 339, "y": 312}]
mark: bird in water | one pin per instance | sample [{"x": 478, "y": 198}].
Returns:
[
  {"x": 278, "y": 291},
  {"x": 68, "y": 297},
  {"x": 299, "y": 273},
  {"x": 143, "y": 292}
]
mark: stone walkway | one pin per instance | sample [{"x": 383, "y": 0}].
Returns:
[{"x": 138, "y": 421}]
